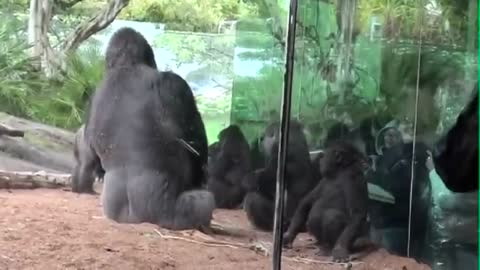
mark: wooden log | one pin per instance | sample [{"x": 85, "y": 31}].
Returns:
[
  {"x": 21, "y": 149},
  {"x": 4, "y": 130},
  {"x": 32, "y": 180},
  {"x": 61, "y": 137}
]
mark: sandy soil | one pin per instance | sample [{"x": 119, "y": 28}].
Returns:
[{"x": 56, "y": 229}]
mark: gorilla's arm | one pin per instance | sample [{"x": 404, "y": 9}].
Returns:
[
  {"x": 266, "y": 182},
  {"x": 301, "y": 214},
  {"x": 88, "y": 166},
  {"x": 195, "y": 135},
  {"x": 222, "y": 164}
]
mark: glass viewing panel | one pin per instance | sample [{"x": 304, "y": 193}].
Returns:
[{"x": 392, "y": 76}]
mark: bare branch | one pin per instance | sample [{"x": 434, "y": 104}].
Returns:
[{"x": 94, "y": 24}]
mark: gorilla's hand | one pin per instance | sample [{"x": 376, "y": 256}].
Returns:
[
  {"x": 340, "y": 254},
  {"x": 287, "y": 240}
]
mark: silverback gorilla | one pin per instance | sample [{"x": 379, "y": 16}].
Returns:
[
  {"x": 145, "y": 129},
  {"x": 335, "y": 211},
  {"x": 299, "y": 180},
  {"x": 228, "y": 166},
  {"x": 79, "y": 153},
  {"x": 456, "y": 154}
]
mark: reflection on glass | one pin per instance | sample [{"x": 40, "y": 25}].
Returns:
[
  {"x": 258, "y": 68},
  {"x": 205, "y": 60},
  {"x": 392, "y": 76}
]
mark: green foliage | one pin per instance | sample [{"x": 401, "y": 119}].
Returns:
[
  {"x": 254, "y": 98},
  {"x": 383, "y": 75},
  {"x": 214, "y": 107},
  {"x": 26, "y": 93},
  {"x": 66, "y": 100},
  {"x": 80, "y": 8},
  {"x": 14, "y": 4},
  {"x": 381, "y": 78},
  {"x": 188, "y": 15},
  {"x": 212, "y": 50},
  {"x": 404, "y": 20},
  {"x": 19, "y": 81}
]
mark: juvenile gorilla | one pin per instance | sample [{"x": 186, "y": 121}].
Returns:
[
  {"x": 335, "y": 211},
  {"x": 145, "y": 128},
  {"x": 213, "y": 150},
  {"x": 260, "y": 200},
  {"x": 456, "y": 154},
  {"x": 228, "y": 166},
  {"x": 80, "y": 153}
]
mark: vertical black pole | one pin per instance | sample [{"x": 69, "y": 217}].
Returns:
[{"x": 283, "y": 136}]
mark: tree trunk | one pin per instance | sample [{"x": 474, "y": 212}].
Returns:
[
  {"x": 34, "y": 28},
  {"x": 95, "y": 24},
  {"x": 39, "y": 22}
]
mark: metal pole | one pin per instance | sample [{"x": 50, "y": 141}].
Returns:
[{"x": 283, "y": 136}]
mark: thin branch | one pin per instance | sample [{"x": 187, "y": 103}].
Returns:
[
  {"x": 94, "y": 24},
  {"x": 216, "y": 243}
]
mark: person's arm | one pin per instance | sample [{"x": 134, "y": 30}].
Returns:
[{"x": 432, "y": 173}]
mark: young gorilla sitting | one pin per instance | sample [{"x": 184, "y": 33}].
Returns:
[
  {"x": 229, "y": 164},
  {"x": 335, "y": 211}
]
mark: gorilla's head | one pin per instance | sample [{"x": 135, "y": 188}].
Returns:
[
  {"x": 127, "y": 47},
  {"x": 339, "y": 156},
  {"x": 271, "y": 137}
]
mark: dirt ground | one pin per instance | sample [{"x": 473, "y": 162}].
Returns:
[{"x": 57, "y": 229}]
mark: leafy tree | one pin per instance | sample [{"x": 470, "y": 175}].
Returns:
[
  {"x": 381, "y": 75},
  {"x": 40, "y": 17},
  {"x": 16, "y": 71},
  {"x": 189, "y": 15}
]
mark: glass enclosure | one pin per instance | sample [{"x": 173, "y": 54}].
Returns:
[
  {"x": 396, "y": 74},
  {"x": 391, "y": 76}
]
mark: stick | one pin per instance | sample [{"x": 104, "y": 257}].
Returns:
[
  {"x": 313, "y": 261},
  {"x": 213, "y": 243},
  {"x": 257, "y": 247}
]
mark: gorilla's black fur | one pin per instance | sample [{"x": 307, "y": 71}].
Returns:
[
  {"x": 79, "y": 151},
  {"x": 335, "y": 212},
  {"x": 456, "y": 154},
  {"x": 228, "y": 166},
  {"x": 260, "y": 200},
  {"x": 145, "y": 129}
]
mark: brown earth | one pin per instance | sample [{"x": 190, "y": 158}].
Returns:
[{"x": 57, "y": 229}]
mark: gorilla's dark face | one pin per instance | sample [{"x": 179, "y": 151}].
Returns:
[{"x": 339, "y": 156}]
